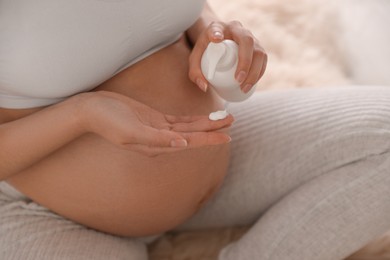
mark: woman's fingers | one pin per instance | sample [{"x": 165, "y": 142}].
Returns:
[
  {"x": 149, "y": 136},
  {"x": 259, "y": 63},
  {"x": 183, "y": 119},
  {"x": 199, "y": 139},
  {"x": 195, "y": 73},
  {"x": 175, "y": 133},
  {"x": 203, "y": 125},
  {"x": 194, "y": 140},
  {"x": 214, "y": 33},
  {"x": 199, "y": 123},
  {"x": 251, "y": 56},
  {"x": 246, "y": 43},
  {"x": 265, "y": 62}
]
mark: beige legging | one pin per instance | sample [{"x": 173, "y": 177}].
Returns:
[{"x": 310, "y": 170}]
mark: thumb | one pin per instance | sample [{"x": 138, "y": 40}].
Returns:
[
  {"x": 215, "y": 32},
  {"x": 161, "y": 138}
]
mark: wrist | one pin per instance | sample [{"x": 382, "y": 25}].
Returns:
[{"x": 80, "y": 108}]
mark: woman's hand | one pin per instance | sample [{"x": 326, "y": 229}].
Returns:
[
  {"x": 132, "y": 125},
  {"x": 252, "y": 59}
]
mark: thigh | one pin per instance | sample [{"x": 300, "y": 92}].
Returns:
[
  {"x": 30, "y": 231},
  {"x": 282, "y": 139},
  {"x": 327, "y": 218}
]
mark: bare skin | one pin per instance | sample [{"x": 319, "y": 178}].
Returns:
[
  {"x": 97, "y": 184},
  {"x": 96, "y": 181}
]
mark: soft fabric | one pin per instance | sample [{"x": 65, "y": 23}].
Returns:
[
  {"x": 29, "y": 231},
  {"x": 50, "y": 50},
  {"x": 310, "y": 169}
]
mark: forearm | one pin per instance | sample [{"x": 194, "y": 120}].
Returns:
[
  {"x": 27, "y": 140},
  {"x": 208, "y": 16}
]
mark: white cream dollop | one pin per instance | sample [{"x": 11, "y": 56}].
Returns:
[{"x": 218, "y": 115}]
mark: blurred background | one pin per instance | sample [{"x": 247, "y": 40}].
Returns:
[
  {"x": 317, "y": 42},
  {"x": 310, "y": 43}
]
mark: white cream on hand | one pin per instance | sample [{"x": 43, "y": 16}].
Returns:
[{"x": 218, "y": 115}]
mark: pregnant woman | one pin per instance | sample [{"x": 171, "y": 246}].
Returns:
[{"x": 105, "y": 140}]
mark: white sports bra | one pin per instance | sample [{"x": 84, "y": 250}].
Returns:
[{"x": 50, "y": 49}]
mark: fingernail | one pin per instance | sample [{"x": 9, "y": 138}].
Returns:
[
  {"x": 218, "y": 35},
  {"x": 247, "y": 88},
  {"x": 229, "y": 140},
  {"x": 202, "y": 85},
  {"x": 241, "y": 76},
  {"x": 179, "y": 143}
]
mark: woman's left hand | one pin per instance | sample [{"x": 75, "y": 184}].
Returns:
[{"x": 252, "y": 59}]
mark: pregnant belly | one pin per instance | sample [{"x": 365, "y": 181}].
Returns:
[{"x": 122, "y": 192}]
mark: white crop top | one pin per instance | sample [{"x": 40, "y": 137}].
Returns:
[{"x": 51, "y": 49}]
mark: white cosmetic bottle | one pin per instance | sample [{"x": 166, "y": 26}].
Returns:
[{"x": 219, "y": 65}]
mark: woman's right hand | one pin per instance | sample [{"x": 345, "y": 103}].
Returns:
[{"x": 132, "y": 125}]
